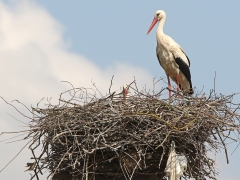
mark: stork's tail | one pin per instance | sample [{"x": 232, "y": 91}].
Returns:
[{"x": 190, "y": 92}]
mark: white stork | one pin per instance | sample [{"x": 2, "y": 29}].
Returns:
[
  {"x": 171, "y": 57},
  {"x": 125, "y": 91}
]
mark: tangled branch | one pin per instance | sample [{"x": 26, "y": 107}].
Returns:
[{"x": 87, "y": 137}]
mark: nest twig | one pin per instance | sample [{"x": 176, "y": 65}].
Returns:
[{"x": 109, "y": 137}]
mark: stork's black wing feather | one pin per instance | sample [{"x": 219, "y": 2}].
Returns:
[
  {"x": 184, "y": 68},
  {"x": 186, "y": 57}
]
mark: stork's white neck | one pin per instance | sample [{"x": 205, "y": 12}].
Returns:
[
  {"x": 160, "y": 26},
  {"x": 160, "y": 34}
]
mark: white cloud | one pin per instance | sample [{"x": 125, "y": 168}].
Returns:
[
  {"x": 34, "y": 60},
  {"x": 34, "y": 56}
]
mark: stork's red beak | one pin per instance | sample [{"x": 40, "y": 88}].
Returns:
[{"x": 155, "y": 20}]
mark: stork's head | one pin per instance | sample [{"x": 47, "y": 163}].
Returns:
[{"x": 157, "y": 17}]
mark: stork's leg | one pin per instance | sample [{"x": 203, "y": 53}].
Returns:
[
  {"x": 125, "y": 92},
  {"x": 169, "y": 87},
  {"x": 177, "y": 78},
  {"x": 178, "y": 88}
]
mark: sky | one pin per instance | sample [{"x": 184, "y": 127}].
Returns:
[{"x": 43, "y": 43}]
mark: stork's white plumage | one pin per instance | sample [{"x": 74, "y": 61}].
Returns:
[
  {"x": 125, "y": 91},
  {"x": 171, "y": 57}
]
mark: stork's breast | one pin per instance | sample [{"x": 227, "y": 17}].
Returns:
[{"x": 168, "y": 63}]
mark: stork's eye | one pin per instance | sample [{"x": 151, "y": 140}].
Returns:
[{"x": 158, "y": 14}]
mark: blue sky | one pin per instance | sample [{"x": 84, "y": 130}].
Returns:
[
  {"x": 44, "y": 42},
  {"x": 108, "y": 32}
]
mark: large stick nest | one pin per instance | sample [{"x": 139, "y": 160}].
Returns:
[{"x": 111, "y": 138}]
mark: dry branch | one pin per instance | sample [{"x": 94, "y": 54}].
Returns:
[{"x": 87, "y": 137}]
